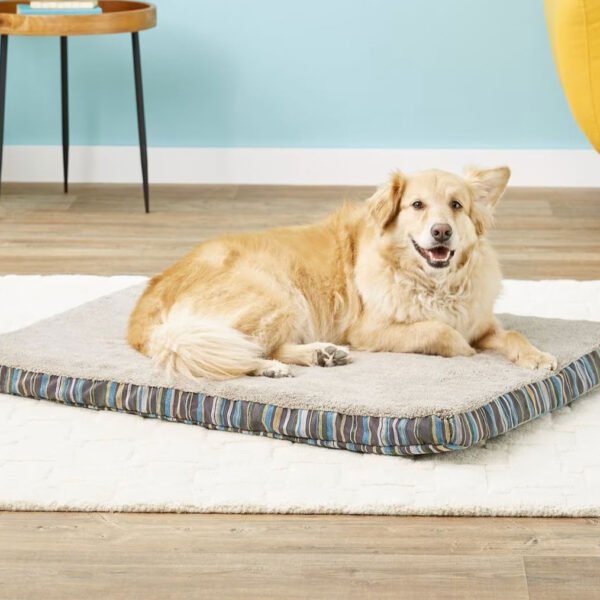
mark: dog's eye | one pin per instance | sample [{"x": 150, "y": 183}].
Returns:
[
  {"x": 418, "y": 204},
  {"x": 455, "y": 205}
]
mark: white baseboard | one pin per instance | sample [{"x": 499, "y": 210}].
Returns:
[{"x": 293, "y": 166}]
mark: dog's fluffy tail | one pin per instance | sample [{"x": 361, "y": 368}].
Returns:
[{"x": 193, "y": 346}]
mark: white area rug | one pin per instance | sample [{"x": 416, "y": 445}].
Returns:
[{"x": 55, "y": 457}]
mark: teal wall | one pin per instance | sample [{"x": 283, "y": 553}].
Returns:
[{"x": 306, "y": 73}]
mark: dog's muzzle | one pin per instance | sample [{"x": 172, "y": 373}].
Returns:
[{"x": 438, "y": 257}]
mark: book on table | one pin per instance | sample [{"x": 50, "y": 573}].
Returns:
[
  {"x": 59, "y": 7},
  {"x": 57, "y": 4}
]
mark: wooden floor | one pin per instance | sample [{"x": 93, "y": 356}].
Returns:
[
  {"x": 540, "y": 233},
  {"x": 154, "y": 557},
  {"x": 102, "y": 230}
]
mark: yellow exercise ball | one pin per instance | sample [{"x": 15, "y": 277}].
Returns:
[{"x": 574, "y": 29}]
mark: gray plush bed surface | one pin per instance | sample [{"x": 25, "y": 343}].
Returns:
[{"x": 88, "y": 342}]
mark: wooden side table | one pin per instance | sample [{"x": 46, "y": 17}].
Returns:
[{"x": 117, "y": 17}]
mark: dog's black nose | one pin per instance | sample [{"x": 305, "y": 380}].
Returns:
[{"x": 441, "y": 232}]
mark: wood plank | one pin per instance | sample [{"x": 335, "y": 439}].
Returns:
[
  {"x": 348, "y": 534},
  {"x": 159, "y": 575},
  {"x": 563, "y": 578}
]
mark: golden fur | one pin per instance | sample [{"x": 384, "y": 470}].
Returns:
[{"x": 372, "y": 276}]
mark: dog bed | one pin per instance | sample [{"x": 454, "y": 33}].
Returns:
[{"x": 397, "y": 404}]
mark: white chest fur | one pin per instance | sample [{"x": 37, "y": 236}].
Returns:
[
  {"x": 415, "y": 302},
  {"x": 462, "y": 300}
]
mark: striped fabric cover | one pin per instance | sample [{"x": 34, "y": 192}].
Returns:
[{"x": 379, "y": 435}]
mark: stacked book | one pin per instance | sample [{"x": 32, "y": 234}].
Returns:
[{"x": 59, "y": 7}]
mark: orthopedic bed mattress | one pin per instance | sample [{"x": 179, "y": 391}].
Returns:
[{"x": 395, "y": 404}]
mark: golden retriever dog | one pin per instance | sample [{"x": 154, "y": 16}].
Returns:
[{"x": 409, "y": 270}]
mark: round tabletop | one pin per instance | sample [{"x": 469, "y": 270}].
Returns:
[{"x": 116, "y": 17}]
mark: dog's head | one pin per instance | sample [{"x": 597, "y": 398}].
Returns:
[{"x": 435, "y": 217}]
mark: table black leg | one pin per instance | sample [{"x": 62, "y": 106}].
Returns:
[
  {"x": 3, "y": 57},
  {"x": 64, "y": 73},
  {"x": 139, "y": 93}
]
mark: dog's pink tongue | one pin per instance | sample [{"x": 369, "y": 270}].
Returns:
[{"x": 439, "y": 253}]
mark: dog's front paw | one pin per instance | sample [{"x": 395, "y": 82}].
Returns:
[
  {"x": 466, "y": 350},
  {"x": 536, "y": 359},
  {"x": 451, "y": 343}
]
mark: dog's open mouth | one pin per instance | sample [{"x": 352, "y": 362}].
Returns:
[{"x": 437, "y": 257}]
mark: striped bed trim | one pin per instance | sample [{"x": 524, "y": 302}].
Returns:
[{"x": 377, "y": 435}]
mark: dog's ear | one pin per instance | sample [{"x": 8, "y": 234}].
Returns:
[
  {"x": 488, "y": 185},
  {"x": 384, "y": 204}
]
